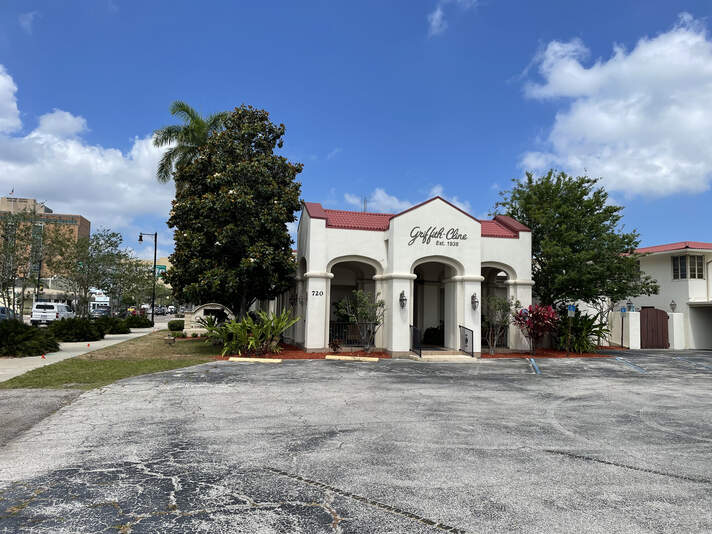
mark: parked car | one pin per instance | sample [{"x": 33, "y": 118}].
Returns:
[
  {"x": 100, "y": 311},
  {"x": 159, "y": 310},
  {"x": 6, "y": 313},
  {"x": 171, "y": 309},
  {"x": 47, "y": 312}
]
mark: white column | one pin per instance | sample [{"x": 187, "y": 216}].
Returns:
[
  {"x": 397, "y": 320},
  {"x": 460, "y": 289},
  {"x": 676, "y": 330},
  {"x": 631, "y": 330},
  {"x": 300, "y": 311},
  {"x": 521, "y": 291},
  {"x": 316, "y": 308}
]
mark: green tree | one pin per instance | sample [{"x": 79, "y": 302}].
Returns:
[
  {"x": 230, "y": 213},
  {"x": 85, "y": 263},
  {"x": 364, "y": 311},
  {"x": 186, "y": 139},
  {"x": 579, "y": 248}
]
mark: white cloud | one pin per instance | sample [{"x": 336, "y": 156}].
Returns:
[
  {"x": 333, "y": 153},
  {"x": 437, "y": 191},
  {"x": 380, "y": 201},
  {"x": 61, "y": 124},
  {"x": 353, "y": 200},
  {"x": 26, "y": 20},
  {"x": 436, "y": 21},
  {"x": 53, "y": 164},
  {"x": 9, "y": 113},
  {"x": 641, "y": 119},
  {"x": 436, "y": 18}
]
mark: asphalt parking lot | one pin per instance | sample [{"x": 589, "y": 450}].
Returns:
[{"x": 589, "y": 445}]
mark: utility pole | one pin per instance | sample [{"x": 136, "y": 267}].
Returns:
[{"x": 155, "y": 248}]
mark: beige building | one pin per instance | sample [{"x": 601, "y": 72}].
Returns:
[{"x": 77, "y": 225}]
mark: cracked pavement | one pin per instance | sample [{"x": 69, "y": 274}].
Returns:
[{"x": 396, "y": 446}]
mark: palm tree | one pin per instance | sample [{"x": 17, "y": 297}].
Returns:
[{"x": 186, "y": 138}]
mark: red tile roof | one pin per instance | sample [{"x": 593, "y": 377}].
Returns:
[
  {"x": 682, "y": 245},
  {"x": 501, "y": 226}
]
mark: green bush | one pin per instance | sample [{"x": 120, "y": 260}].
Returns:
[
  {"x": 19, "y": 339},
  {"x": 76, "y": 329},
  {"x": 585, "y": 331},
  {"x": 112, "y": 325},
  {"x": 138, "y": 321},
  {"x": 250, "y": 336},
  {"x": 176, "y": 325}
]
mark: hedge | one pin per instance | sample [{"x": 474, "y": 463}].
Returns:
[
  {"x": 176, "y": 325},
  {"x": 19, "y": 339},
  {"x": 76, "y": 329}
]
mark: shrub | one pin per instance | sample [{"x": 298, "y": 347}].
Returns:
[
  {"x": 112, "y": 325},
  {"x": 194, "y": 334},
  {"x": 251, "y": 336},
  {"x": 585, "y": 330},
  {"x": 534, "y": 322},
  {"x": 19, "y": 339},
  {"x": 76, "y": 329},
  {"x": 176, "y": 325},
  {"x": 138, "y": 321}
]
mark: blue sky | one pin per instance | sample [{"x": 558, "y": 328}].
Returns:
[{"x": 394, "y": 101}]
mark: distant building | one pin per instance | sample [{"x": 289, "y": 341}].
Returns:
[{"x": 77, "y": 225}]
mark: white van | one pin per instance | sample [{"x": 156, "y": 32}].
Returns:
[{"x": 47, "y": 312}]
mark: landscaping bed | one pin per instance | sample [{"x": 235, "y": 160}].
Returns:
[
  {"x": 290, "y": 352},
  {"x": 545, "y": 353}
]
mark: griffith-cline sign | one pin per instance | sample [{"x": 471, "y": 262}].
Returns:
[{"x": 438, "y": 236}]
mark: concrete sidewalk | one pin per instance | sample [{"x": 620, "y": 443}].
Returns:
[{"x": 12, "y": 367}]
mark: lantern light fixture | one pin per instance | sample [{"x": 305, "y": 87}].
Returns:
[
  {"x": 474, "y": 301},
  {"x": 403, "y": 300}
]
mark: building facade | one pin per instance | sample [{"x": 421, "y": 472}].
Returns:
[
  {"x": 683, "y": 306},
  {"x": 433, "y": 265}
]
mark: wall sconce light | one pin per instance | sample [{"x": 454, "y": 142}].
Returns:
[
  {"x": 403, "y": 300},
  {"x": 474, "y": 301},
  {"x": 673, "y": 305}
]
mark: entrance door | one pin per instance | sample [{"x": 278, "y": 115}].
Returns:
[{"x": 653, "y": 328}]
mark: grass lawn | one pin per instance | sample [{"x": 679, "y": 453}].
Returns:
[{"x": 146, "y": 354}]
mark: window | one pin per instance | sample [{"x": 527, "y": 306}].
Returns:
[
  {"x": 697, "y": 267},
  {"x": 680, "y": 267}
]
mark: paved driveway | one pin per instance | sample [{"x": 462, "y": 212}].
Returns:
[{"x": 313, "y": 446}]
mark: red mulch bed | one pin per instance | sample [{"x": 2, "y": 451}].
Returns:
[
  {"x": 545, "y": 353},
  {"x": 290, "y": 352}
]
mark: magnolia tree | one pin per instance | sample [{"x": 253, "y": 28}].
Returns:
[{"x": 534, "y": 322}]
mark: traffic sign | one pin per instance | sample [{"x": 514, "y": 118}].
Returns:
[{"x": 571, "y": 310}]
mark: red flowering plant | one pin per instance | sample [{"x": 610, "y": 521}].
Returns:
[{"x": 534, "y": 322}]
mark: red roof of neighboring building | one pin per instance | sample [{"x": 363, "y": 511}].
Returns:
[
  {"x": 682, "y": 245},
  {"x": 501, "y": 226}
]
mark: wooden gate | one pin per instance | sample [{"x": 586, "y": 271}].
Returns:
[{"x": 653, "y": 328}]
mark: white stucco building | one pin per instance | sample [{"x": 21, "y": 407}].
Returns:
[
  {"x": 680, "y": 315},
  {"x": 433, "y": 264}
]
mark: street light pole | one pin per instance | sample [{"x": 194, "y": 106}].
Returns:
[{"x": 155, "y": 248}]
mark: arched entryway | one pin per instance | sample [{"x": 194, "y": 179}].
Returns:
[
  {"x": 434, "y": 313},
  {"x": 494, "y": 284},
  {"x": 348, "y": 276}
]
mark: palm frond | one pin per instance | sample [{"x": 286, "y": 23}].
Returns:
[
  {"x": 183, "y": 111},
  {"x": 165, "y": 166},
  {"x": 167, "y": 135}
]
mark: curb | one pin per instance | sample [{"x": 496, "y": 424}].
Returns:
[
  {"x": 255, "y": 360},
  {"x": 351, "y": 358}
]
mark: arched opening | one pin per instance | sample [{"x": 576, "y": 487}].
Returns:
[
  {"x": 349, "y": 276},
  {"x": 494, "y": 284},
  {"x": 434, "y": 315}
]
